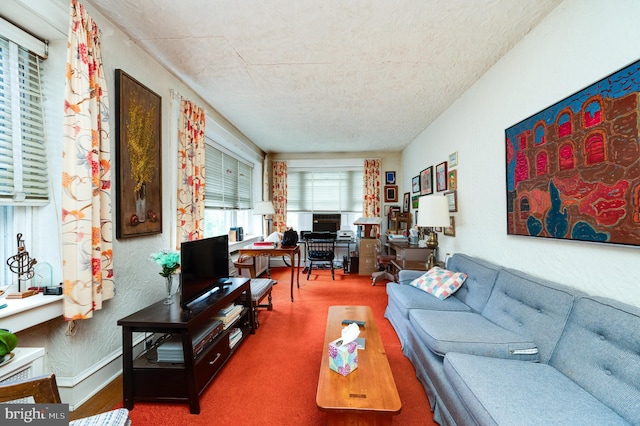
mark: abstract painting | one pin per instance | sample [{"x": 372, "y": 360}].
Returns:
[{"x": 573, "y": 169}]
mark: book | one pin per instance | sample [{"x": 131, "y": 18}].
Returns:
[{"x": 263, "y": 244}]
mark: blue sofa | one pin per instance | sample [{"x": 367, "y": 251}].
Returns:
[{"x": 508, "y": 348}]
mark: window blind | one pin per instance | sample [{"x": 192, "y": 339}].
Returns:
[
  {"x": 325, "y": 191},
  {"x": 23, "y": 159},
  {"x": 227, "y": 180}
]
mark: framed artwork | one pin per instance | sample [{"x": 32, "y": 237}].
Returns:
[
  {"x": 138, "y": 154},
  {"x": 572, "y": 168},
  {"x": 453, "y": 179},
  {"x": 452, "y": 199},
  {"x": 426, "y": 181},
  {"x": 390, "y": 193},
  {"x": 414, "y": 201},
  {"x": 438, "y": 228},
  {"x": 405, "y": 202},
  {"x": 390, "y": 178},
  {"x": 441, "y": 177},
  {"x": 451, "y": 229},
  {"x": 415, "y": 184},
  {"x": 453, "y": 159}
]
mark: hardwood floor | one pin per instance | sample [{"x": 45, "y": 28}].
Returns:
[{"x": 104, "y": 400}]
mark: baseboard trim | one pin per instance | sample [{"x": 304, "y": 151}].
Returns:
[{"x": 77, "y": 390}]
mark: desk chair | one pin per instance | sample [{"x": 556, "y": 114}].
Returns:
[
  {"x": 44, "y": 390},
  {"x": 383, "y": 263},
  {"x": 320, "y": 248}
]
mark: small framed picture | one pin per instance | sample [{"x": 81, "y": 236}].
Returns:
[
  {"x": 405, "y": 202},
  {"x": 453, "y": 179},
  {"x": 390, "y": 194},
  {"x": 438, "y": 228},
  {"x": 390, "y": 178},
  {"x": 415, "y": 184},
  {"x": 441, "y": 177},
  {"x": 453, "y": 159},
  {"x": 452, "y": 200},
  {"x": 451, "y": 229},
  {"x": 414, "y": 201},
  {"x": 426, "y": 181}
]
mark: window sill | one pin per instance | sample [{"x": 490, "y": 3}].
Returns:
[
  {"x": 237, "y": 245},
  {"x": 21, "y": 314}
]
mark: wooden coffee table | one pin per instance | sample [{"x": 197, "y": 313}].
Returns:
[{"x": 367, "y": 395}]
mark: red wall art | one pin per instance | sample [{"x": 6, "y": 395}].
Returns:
[{"x": 573, "y": 169}]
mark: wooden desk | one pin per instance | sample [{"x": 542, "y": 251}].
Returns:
[
  {"x": 290, "y": 252},
  {"x": 407, "y": 251},
  {"x": 415, "y": 265},
  {"x": 367, "y": 395}
]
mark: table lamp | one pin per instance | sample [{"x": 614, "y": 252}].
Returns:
[
  {"x": 265, "y": 208},
  {"x": 433, "y": 211}
]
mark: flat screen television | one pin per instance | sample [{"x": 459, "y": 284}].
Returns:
[{"x": 204, "y": 266}]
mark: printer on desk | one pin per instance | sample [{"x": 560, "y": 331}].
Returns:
[{"x": 344, "y": 235}]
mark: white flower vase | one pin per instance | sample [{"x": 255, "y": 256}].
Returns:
[{"x": 169, "y": 283}]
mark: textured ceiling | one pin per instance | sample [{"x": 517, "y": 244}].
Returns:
[{"x": 333, "y": 75}]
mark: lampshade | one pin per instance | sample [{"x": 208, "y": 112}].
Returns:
[
  {"x": 264, "y": 208},
  {"x": 433, "y": 211}
]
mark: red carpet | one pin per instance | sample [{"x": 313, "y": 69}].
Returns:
[{"x": 272, "y": 378}]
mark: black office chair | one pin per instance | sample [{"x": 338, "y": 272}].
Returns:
[{"x": 320, "y": 248}]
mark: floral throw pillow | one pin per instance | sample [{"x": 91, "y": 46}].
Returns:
[{"x": 439, "y": 282}]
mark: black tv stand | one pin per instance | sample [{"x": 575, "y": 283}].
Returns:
[{"x": 144, "y": 379}]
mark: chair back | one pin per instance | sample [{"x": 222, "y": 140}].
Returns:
[
  {"x": 43, "y": 389},
  {"x": 321, "y": 246}
]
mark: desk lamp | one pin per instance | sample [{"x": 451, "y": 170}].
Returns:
[
  {"x": 265, "y": 208},
  {"x": 433, "y": 211}
]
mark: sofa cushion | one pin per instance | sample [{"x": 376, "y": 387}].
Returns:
[
  {"x": 481, "y": 276},
  {"x": 439, "y": 282},
  {"x": 470, "y": 333},
  {"x": 406, "y": 297},
  {"x": 530, "y": 306},
  {"x": 600, "y": 351},
  {"x": 507, "y": 392}
]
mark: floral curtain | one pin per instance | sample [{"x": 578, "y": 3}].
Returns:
[
  {"x": 87, "y": 231},
  {"x": 371, "y": 202},
  {"x": 280, "y": 195},
  {"x": 190, "y": 208}
]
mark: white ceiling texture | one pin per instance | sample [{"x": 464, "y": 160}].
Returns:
[{"x": 298, "y": 76}]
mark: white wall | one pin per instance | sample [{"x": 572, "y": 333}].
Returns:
[
  {"x": 77, "y": 356},
  {"x": 580, "y": 42}
]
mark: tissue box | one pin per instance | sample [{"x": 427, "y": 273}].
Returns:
[{"x": 343, "y": 359}]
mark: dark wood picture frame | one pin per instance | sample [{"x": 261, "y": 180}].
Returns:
[
  {"x": 415, "y": 184},
  {"x": 452, "y": 199},
  {"x": 451, "y": 229},
  {"x": 426, "y": 181},
  {"x": 390, "y": 193},
  {"x": 139, "y": 158},
  {"x": 441, "y": 176},
  {"x": 390, "y": 178},
  {"x": 453, "y": 179},
  {"x": 405, "y": 202},
  {"x": 414, "y": 201}
]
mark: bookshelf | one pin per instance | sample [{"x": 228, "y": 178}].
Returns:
[{"x": 146, "y": 379}]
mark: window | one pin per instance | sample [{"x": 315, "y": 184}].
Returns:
[
  {"x": 23, "y": 159},
  {"x": 325, "y": 191},
  {"x": 227, "y": 191}
]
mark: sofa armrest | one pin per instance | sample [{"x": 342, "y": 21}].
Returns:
[{"x": 407, "y": 275}]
